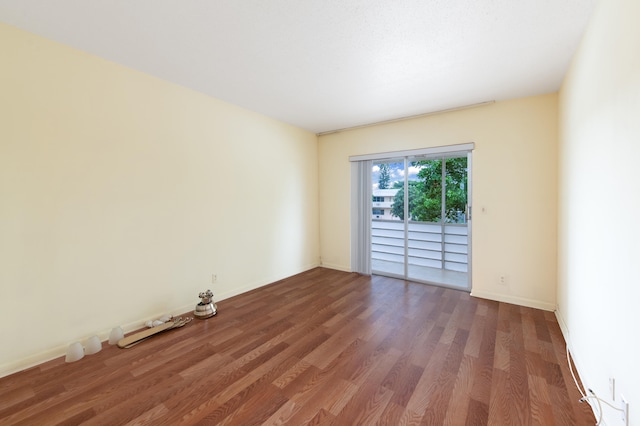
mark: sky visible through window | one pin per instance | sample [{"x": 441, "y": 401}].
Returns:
[{"x": 396, "y": 171}]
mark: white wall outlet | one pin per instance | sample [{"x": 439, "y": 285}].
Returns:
[
  {"x": 214, "y": 278},
  {"x": 502, "y": 280},
  {"x": 612, "y": 388},
  {"x": 624, "y": 406}
]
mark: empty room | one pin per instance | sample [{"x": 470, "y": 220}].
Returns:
[{"x": 320, "y": 212}]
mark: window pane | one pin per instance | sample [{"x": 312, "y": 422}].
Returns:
[
  {"x": 386, "y": 179},
  {"x": 456, "y": 190},
  {"x": 425, "y": 190}
]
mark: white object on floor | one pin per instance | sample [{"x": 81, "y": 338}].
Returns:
[
  {"x": 116, "y": 334},
  {"x": 75, "y": 352},
  {"x": 92, "y": 345}
]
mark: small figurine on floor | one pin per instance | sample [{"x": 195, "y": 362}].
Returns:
[{"x": 206, "y": 308}]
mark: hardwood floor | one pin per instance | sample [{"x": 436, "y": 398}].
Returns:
[{"x": 322, "y": 347}]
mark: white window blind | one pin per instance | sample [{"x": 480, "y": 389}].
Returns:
[{"x": 361, "y": 216}]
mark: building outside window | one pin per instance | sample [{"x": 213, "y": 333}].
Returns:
[{"x": 382, "y": 202}]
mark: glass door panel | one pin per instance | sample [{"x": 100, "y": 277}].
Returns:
[
  {"x": 387, "y": 226},
  {"x": 424, "y": 236},
  {"x": 456, "y": 228}
]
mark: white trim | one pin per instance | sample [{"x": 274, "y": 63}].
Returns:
[
  {"x": 521, "y": 301},
  {"x": 564, "y": 329},
  {"x": 448, "y": 149},
  {"x": 336, "y": 267},
  {"x": 60, "y": 350},
  {"x": 409, "y": 117},
  {"x": 469, "y": 221}
]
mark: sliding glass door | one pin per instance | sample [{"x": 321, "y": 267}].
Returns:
[{"x": 420, "y": 225}]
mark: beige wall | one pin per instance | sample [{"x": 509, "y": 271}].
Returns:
[
  {"x": 599, "y": 196},
  {"x": 514, "y": 190},
  {"x": 121, "y": 194}
]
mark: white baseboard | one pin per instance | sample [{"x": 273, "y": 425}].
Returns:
[
  {"x": 567, "y": 338},
  {"x": 563, "y": 327},
  {"x": 521, "y": 301},
  {"x": 31, "y": 361},
  {"x": 59, "y": 351},
  {"x": 336, "y": 267}
]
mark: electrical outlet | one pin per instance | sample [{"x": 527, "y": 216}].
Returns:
[
  {"x": 214, "y": 278},
  {"x": 624, "y": 406},
  {"x": 502, "y": 280}
]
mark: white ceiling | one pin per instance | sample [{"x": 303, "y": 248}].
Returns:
[{"x": 327, "y": 64}]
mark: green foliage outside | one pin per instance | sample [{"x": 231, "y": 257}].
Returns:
[
  {"x": 385, "y": 175},
  {"x": 397, "y": 208},
  {"x": 425, "y": 194}
]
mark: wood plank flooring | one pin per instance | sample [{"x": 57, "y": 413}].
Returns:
[{"x": 322, "y": 347}]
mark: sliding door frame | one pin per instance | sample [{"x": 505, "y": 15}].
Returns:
[{"x": 357, "y": 248}]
